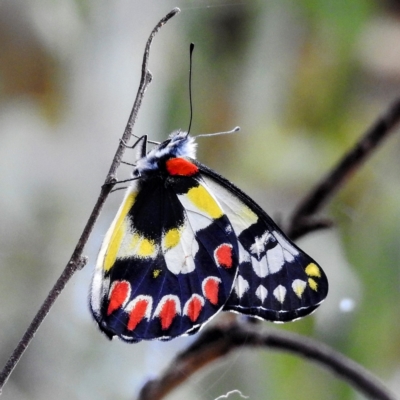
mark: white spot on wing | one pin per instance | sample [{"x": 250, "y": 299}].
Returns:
[
  {"x": 241, "y": 286},
  {"x": 258, "y": 246},
  {"x": 288, "y": 256},
  {"x": 180, "y": 259},
  {"x": 260, "y": 267},
  {"x": 280, "y": 293},
  {"x": 298, "y": 287},
  {"x": 261, "y": 293},
  {"x": 244, "y": 256},
  {"x": 275, "y": 259}
]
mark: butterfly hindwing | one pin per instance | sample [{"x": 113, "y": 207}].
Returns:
[
  {"x": 276, "y": 281},
  {"x": 168, "y": 263}
]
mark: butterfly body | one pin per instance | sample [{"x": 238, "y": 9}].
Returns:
[{"x": 185, "y": 244}]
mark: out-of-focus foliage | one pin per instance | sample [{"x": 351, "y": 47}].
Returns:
[{"x": 303, "y": 79}]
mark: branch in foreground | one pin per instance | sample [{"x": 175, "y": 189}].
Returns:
[
  {"x": 301, "y": 221},
  {"x": 218, "y": 341},
  {"x": 77, "y": 261}
]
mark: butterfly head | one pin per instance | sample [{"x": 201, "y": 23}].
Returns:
[{"x": 179, "y": 144}]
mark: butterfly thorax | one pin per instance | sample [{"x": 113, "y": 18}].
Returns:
[{"x": 178, "y": 145}]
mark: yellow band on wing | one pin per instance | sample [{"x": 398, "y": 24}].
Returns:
[
  {"x": 118, "y": 233},
  {"x": 202, "y": 199}
]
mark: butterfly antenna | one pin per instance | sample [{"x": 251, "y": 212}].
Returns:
[
  {"x": 190, "y": 85},
  {"x": 235, "y": 129}
]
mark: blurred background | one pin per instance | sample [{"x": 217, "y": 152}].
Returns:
[{"x": 303, "y": 79}]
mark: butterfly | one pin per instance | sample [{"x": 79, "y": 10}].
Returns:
[{"x": 186, "y": 244}]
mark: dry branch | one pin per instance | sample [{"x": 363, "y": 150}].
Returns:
[{"x": 77, "y": 261}]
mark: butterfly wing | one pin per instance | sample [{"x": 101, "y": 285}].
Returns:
[
  {"x": 276, "y": 281},
  {"x": 168, "y": 262}
]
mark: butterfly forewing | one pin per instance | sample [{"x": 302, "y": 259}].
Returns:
[
  {"x": 276, "y": 280},
  {"x": 169, "y": 264}
]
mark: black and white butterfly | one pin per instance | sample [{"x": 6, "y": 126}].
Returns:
[{"x": 185, "y": 244}]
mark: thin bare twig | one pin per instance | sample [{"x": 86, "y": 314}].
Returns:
[
  {"x": 77, "y": 261},
  {"x": 145, "y": 80},
  {"x": 218, "y": 341},
  {"x": 301, "y": 221}
]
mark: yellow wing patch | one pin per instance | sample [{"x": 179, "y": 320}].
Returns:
[
  {"x": 118, "y": 233},
  {"x": 142, "y": 247},
  {"x": 202, "y": 199},
  {"x": 313, "y": 270},
  {"x": 313, "y": 285},
  {"x": 171, "y": 238},
  {"x": 156, "y": 273}
]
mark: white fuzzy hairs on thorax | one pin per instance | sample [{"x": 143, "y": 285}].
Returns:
[{"x": 179, "y": 144}]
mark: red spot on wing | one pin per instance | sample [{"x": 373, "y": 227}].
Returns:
[
  {"x": 194, "y": 306},
  {"x": 137, "y": 314},
  {"x": 118, "y": 295},
  {"x": 211, "y": 289},
  {"x": 167, "y": 313},
  {"x": 223, "y": 255},
  {"x": 180, "y": 166}
]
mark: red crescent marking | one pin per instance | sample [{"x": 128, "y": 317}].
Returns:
[
  {"x": 211, "y": 287},
  {"x": 223, "y": 255},
  {"x": 137, "y": 314},
  {"x": 180, "y": 166},
  {"x": 167, "y": 313},
  {"x": 118, "y": 296},
  {"x": 194, "y": 308}
]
